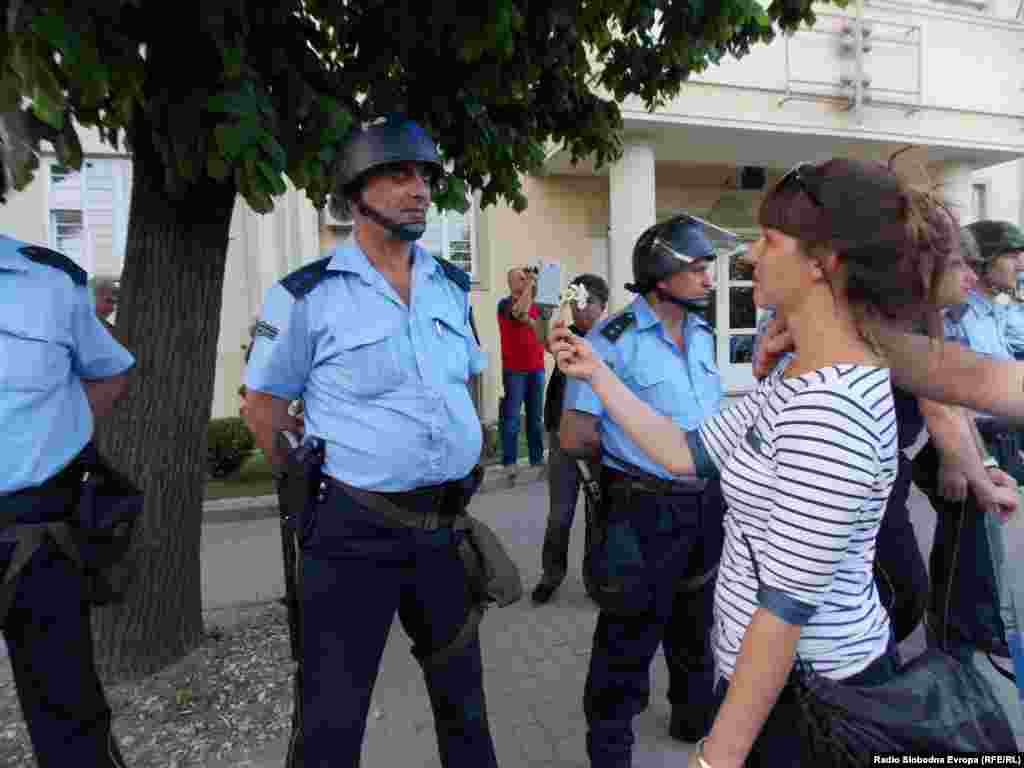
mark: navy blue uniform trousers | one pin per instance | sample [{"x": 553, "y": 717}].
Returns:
[
  {"x": 49, "y": 639},
  {"x": 683, "y": 535},
  {"x": 357, "y": 571}
]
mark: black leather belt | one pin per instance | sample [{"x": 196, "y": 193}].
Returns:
[
  {"x": 612, "y": 478},
  {"x": 416, "y": 503}
]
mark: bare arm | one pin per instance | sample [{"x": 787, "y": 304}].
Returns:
[
  {"x": 948, "y": 427},
  {"x": 765, "y": 660},
  {"x": 578, "y": 435},
  {"x": 521, "y": 309},
  {"x": 658, "y": 436},
  {"x": 267, "y": 415},
  {"x": 103, "y": 393},
  {"x": 951, "y": 373}
]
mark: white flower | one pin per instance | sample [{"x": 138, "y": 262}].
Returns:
[{"x": 575, "y": 293}]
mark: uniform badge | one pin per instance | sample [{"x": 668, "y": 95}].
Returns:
[
  {"x": 265, "y": 329},
  {"x": 617, "y": 326}
]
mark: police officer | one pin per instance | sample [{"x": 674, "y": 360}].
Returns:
[
  {"x": 1000, "y": 247},
  {"x": 59, "y": 371},
  {"x": 376, "y": 340},
  {"x": 663, "y": 350},
  {"x": 563, "y": 474}
]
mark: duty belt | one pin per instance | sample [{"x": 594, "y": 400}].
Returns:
[
  {"x": 406, "y": 507},
  {"x": 614, "y": 478}
]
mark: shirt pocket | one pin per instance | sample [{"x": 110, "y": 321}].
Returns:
[
  {"x": 653, "y": 387},
  {"x": 368, "y": 362},
  {"x": 30, "y": 363},
  {"x": 453, "y": 338}
]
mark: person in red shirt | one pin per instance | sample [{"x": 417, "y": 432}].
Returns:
[{"x": 521, "y": 323}]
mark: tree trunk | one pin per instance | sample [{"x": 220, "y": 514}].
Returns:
[{"x": 169, "y": 318}]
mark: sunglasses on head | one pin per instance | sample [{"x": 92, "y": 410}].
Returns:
[{"x": 799, "y": 175}]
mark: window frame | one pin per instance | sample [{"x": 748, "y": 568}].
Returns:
[
  {"x": 472, "y": 216},
  {"x": 118, "y": 169}
]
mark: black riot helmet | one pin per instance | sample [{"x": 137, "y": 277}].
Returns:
[
  {"x": 392, "y": 139},
  {"x": 680, "y": 243}
]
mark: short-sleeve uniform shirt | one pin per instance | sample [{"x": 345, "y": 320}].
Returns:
[
  {"x": 385, "y": 385},
  {"x": 50, "y": 342}
]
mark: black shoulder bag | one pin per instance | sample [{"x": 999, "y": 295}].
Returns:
[{"x": 934, "y": 704}]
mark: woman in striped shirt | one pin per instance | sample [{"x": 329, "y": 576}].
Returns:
[{"x": 807, "y": 461}]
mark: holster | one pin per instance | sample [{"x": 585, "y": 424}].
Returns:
[
  {"x": 93, "y": 527},
  {"x": 107, "y": 509},
  {"x": 299, "y": 483},
  {"x": 615, "y": 572}
]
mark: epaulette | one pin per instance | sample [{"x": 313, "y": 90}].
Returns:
[
  {"x": 41, "y": 255},
  {"x": 617, "y": 326},
  {"x": 458, "y": 276},
  {"x": 303, "y": 280}
]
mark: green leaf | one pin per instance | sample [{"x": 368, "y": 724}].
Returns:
[
  {"x": 216, "y": 166},
  {"x": 273, "y": 178},
  {"x": 233, "y": 103},
  {"x": 234, "y": 138},
  {"x": 48, "y": 109},
  {"x": 232, "y": 57}
]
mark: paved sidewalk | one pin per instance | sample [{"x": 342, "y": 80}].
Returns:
[{"x": 535, "y": 658}]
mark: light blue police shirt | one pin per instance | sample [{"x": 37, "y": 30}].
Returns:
[
  {"x": 978, "y": 324},
  {"x": 683, "y": 386},
  {"x": 384, "y": 385},
  {"x": 1013, "y": 328},
  {"x": 50, "y": 340}
]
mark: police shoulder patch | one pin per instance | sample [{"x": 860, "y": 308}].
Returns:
[
  {"x": 617, "y": 326},
  {"x": 41, "y": 255},
  {"x": 458, "y": 276},
  {"x": 265, "y": 329},
  {"x": 302, "y": 281}
]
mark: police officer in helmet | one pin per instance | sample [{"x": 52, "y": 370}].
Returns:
[
  {"x": 376, "y": 340},
  {"x": 60, "y": 371},
  {"x": 660, "y": 536}
]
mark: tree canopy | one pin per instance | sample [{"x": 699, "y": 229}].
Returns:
[{"x": 284, "y": 82}]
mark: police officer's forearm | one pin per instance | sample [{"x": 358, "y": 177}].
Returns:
[
  {"x": 951, "y": 373},
  {"x": 103, "y": 393},
  {"x": 952, "y": 431},
  {"x": 266, "y": 415},
  {"x": 657, "y": 435}
]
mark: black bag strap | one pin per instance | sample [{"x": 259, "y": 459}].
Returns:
[{"x": 392, "y": 512}]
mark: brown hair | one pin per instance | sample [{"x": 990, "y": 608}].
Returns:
[{"x": 893, "y": 240}]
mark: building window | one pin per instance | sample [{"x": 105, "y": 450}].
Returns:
[
  {"x": 452, "y": 235},
  {"x": 66, "y": 232},
  {"x": 89, "y": 212},
  {"x": 979, "y": 201}
]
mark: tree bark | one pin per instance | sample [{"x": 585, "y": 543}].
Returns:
[{"x": 169, "y": 318}]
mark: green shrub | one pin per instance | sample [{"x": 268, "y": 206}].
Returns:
[{"x": 228, "y": 443}]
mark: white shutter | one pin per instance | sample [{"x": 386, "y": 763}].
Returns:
[{"x": 99, "y": 216}]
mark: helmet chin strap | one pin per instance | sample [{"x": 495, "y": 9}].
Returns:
[
  {"x": 701, "y": 304},
  {"x": 405, "y": 232}
]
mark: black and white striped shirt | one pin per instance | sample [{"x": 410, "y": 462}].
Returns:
[{"x": 807, "y": 464}]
